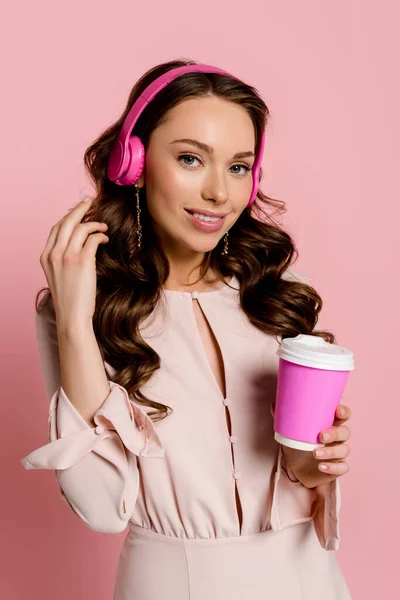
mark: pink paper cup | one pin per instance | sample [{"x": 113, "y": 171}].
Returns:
[{"x": 312, "y": 376}]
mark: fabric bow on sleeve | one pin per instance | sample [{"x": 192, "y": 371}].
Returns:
[{"x": 117, "y": 418}]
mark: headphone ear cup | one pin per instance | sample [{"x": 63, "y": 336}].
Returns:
[
  {"x": 256, "y": 171},
  {"x": 125, "y": 168},
  {"x": 254, "y": 189}
]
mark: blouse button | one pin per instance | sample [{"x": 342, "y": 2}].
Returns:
[
  {"x": 227, "y": 402},
  {"x": 195, "y": 295},
  {"x": 233, "y": 439},
  {"x": 237, "y": 475},
  {"x": 99, "y": 429}
]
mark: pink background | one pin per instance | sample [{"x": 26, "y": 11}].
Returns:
[{"x": 329, "y": 74}]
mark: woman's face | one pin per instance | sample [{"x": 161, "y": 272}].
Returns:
[{"x": 180, "y": 176}]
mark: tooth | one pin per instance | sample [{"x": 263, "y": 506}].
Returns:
[{"x": 206, "y": 217}]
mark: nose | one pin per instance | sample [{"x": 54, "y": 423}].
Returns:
[{"x": 215, "y": 188}]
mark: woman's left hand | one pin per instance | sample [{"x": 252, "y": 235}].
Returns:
[{"x": 306, "y": 466}]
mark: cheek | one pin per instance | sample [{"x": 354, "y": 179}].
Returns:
[
  {"x": 167, "y": 178},
  {"x": 182, "y": 180},
  {"x": 164, "y": 199}
]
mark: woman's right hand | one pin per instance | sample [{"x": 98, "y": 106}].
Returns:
[{"x": 69, "y": 263}]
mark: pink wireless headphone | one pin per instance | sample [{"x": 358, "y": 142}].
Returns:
[{"x": 126, "y": 159}]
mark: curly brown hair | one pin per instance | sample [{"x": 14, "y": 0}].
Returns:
[{"x": 130, "y": 279}]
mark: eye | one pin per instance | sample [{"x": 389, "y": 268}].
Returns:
[
  {"x": 193, "y": 156},
  {"x": 182, "y": 156},
  {"x": 245, "y": 167}
]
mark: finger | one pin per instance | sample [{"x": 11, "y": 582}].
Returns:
[
  {"x": 86, "y": 200},
  {"x": 343, "y": 412},
  {"x": 54, "y": 231},
  {"x": 332, "y": 452},
  {"x": 51, "y": 240},
  {"x": 69, "y": 222},
  {"x": 93, "y": 241},
  {"x": 77, "y": 212},
  {"x": 336, "y": 434},
  {"x": 80, "y": 234},
  {"x": 338, "y": 468}
]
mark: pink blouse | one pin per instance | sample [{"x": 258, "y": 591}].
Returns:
[{"x": 179, "y": 476}]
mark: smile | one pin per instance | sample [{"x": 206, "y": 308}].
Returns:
[{"x": 205, "y": 223}]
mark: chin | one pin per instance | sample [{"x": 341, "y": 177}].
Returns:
[{"x": 202, "y": 247}]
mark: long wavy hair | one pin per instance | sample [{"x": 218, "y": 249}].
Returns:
[{"x": 129, "y": 279}]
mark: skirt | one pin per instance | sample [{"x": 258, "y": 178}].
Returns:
[{"x": 283, "y": 565}]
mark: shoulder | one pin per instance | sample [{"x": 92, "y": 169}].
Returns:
[{"x": 292, "y": 275}]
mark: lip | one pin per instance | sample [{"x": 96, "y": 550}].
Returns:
[
  {"x": 205, "y": 226},
  {"x": 208, "y": 213}
]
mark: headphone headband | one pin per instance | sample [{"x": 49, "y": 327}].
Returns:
[{"x": 126, "y": 159}]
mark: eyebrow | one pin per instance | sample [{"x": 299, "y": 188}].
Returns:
[{"x": 208, "y": 148}]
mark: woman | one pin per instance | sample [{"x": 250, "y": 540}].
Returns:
[{"x": 158, "y": 349}]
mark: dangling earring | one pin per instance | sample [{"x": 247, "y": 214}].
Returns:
[
  {"x": 138, "y": 211},
  {"x": 225, "y": 250}
]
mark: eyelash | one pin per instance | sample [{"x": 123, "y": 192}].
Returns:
[{"x": 246, "y": 167}]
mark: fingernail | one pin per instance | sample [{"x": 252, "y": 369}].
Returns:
[
  {"x": 341, "y": 412},
  {"x": 326, "y": 437},
  {"x": 323, "y": 467},
  {"x": 319, "y": 453}
]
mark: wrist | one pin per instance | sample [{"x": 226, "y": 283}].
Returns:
[{"x": 74, "y": 330}]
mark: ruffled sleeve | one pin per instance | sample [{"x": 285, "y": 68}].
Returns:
[
  {"x": 96, "y": 467},
  {"x": 293, "y": 503},
  {"x": 326, "y": 520}
]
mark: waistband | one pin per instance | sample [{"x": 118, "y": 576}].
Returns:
[{"x": 258, "y": 538}]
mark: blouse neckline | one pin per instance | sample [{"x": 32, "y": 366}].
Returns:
[{"x": 194, "y": 293}]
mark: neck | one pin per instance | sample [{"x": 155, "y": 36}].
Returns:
[{"x": 188, "y": 284}]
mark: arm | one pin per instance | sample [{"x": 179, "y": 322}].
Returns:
[
  {"x": 95, "y": 431},
  {"x": 83, "y": 377},
  {"x": 294, "y": 503}
]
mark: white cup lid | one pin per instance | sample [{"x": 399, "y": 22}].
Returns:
[{"x": 314, "y": 351}]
